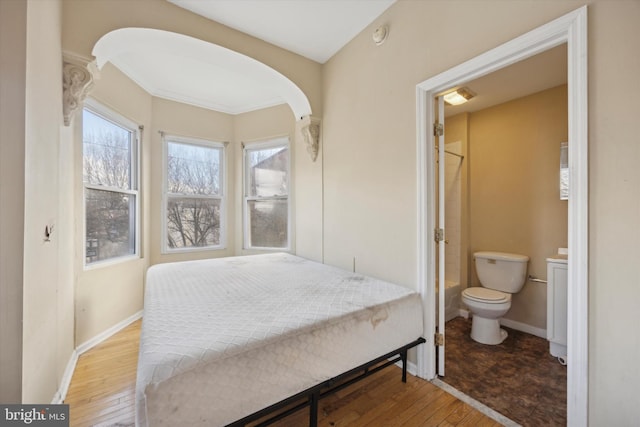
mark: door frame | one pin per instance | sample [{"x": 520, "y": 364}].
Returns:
[
  {"x": 441, "y": 224},
  {"x": 571, "y": 29}
]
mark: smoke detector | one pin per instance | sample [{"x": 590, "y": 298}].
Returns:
[{"x": 380, "y": 34}]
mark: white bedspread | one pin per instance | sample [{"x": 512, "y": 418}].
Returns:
[{"x": 226, "y": 337}]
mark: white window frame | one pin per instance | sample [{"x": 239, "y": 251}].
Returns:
[
  {"x": 261, "y": 145},
  {"x": 108, "y": 114},
  {"x": 166, "y": 139}
]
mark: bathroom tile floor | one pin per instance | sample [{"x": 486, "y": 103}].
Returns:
[{"x": 518, "y": 378}]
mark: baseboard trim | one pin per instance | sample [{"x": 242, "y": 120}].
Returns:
[
  {"x": 412, "y": 368},
  {"x": 518, "y": 326},
  {"x": 61, "y": 394},
  {"x": 88, "y": 345}
]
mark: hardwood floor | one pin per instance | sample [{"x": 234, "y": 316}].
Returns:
[{"x": 103, "y": 386}]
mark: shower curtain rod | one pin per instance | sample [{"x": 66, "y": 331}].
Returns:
[{"x": 451, "y": 152}]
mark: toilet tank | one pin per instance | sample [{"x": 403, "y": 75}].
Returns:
[{"x": 501, "y": 271}]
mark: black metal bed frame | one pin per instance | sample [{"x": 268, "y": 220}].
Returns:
[{"x": 311, "y": 396}]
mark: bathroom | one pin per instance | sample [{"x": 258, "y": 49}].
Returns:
[{"x": 502, "y": 193}]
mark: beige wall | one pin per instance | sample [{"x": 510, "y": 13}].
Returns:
[
  {"x": 368, "y": 177},
  {"x": 41, "y": 342},
  {"x": 86, "y": 21},
  {"x": 109, "y": 293},
  {"x": 309, "y": 198},
  {"x": 370, "y": 145},
  {"x": 48, "y": 329},
  {"x": 515, "y": 206},
  {"x": 98, "y": 304},
  {"x": 251, "y": 127},
  {"x": 178, "y": 119},
  {"x": 510, "y": 189},
  {"x": 42, "y": 122},
  {"x": 188, "y": 121},
  {"x": 259, "y": 126},
  {"x": 13, "y": 43},
  {"x": 614, "y": 212},
  {"x": 306, "y": 183}
]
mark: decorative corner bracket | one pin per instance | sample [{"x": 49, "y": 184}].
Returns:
[
  {"x": 77, "y": 79},
  {"x": 310, "y": 129}
]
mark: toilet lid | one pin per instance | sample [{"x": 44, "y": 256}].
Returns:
[{"x": 486, "y": 295}]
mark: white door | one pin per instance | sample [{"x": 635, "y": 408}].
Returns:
[{"x": 440, "y": 234}]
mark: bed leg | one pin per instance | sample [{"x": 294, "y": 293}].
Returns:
[
  {"x": 403, "y": 356},
  {"x": 313, "y": 409}
]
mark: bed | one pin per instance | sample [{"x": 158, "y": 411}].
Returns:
[{"x": 226, "y": 340}]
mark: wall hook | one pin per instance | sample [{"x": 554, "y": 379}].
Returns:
[{"x": 48, "y": 231}]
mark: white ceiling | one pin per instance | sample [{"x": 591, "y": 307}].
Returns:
[
  {"x": 170, "y": 68},
  {"x": 315, "y": 29},
  {"x": 184, "y": 69}
]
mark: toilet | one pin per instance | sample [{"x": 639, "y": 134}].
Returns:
[{"x": 501, "y": 275}]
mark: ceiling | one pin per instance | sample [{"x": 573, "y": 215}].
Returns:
[
  {"x": 543, "y": 71},
  {"x": 315, "y": 29},
  {"x": 195, "y": 72}
]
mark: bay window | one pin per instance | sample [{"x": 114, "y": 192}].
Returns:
[{"x": 266, "y": 195}]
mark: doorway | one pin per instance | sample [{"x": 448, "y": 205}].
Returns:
[
  {"x": 570, "y": 29},
  {"x": 511, "y": 192}
]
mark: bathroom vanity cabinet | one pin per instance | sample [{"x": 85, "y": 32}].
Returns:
[{"x": 557, "y": 305}]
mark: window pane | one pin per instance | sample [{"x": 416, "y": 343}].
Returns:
[
  {"x": 268, "y": 223},
  {"x": 268, "y": 172},
  {"x": 110, "y": 229},
  {"x": 193, "y": 169},
  {"x": 193, "y": 222},
  {"x": 106, "y": 151}
]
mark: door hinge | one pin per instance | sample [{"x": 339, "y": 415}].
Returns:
[
  {"x": 438, "y": 129},
  {"x": 438, "y": 339},
  {"x": 438, "y": 234}
]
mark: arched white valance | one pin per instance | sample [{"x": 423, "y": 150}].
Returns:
[{"x": 190, "y": 70}]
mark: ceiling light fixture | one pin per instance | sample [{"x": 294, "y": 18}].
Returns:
[{"x": 458, "y": 96}]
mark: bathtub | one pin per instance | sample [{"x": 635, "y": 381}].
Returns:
[{"x": 451, "y": 300}]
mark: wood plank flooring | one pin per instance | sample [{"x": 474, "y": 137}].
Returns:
[{"x": 103, "y": 386}]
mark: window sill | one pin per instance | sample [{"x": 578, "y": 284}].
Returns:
[
  {"x": 111, "y": 262},
  {"x": 192, "y": 250}
]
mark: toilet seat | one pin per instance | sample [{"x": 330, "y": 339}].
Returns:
[{"x": 487, "y": 296}]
